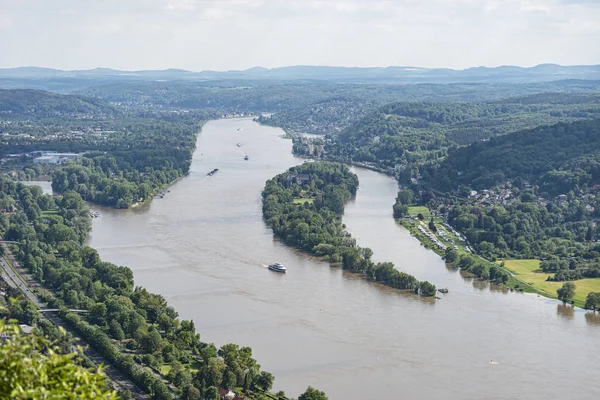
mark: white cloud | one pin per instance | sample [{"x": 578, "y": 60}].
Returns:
[{"x": 236, "y": 34}]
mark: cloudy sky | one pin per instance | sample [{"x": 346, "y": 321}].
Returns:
[{"x": 237, "y": 34}]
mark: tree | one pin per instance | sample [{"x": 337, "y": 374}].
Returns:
[
  {"x": 592, "y": 302},
  {"x": 211, "y": 393},
  {"x": 125, "y": 394},
  {"x": 190, "y": 392},
  {"x": 160, "y": 391},
  {"x": 312, "y": 394},
  {"x": 28, "y": 370},
  {"x": 264, "y": 381},
  {"x": 432, "y": 226},
  {"x": 420, "y": 216},
  {"x": 589, "y": 234},
  {"x": 425, "y": 289},
  {"x": 566, "y": 292},
  {"x": 400, "y": 210},
  {"x": 451, "y": 255}
]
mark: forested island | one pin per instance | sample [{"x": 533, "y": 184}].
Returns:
[{"x": 304, "y": 206}]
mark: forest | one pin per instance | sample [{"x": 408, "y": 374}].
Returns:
[
  {"x": 135, "y": 330},
  {"x": 529, "y": 194},
  {"x": 557, "y": 158},
  {"x": 304, "y": 206},
  {"x": 411, "y": 135},
  {"x": 128, "y": 155}
]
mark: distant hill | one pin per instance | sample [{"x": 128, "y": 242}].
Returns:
[
  {"x": 558, "y": 158},
  {"x": 43, "y": 104},
  {"x": 393, "y": 74}
]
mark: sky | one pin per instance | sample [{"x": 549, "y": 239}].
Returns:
[{"x": 237, "y": 34}]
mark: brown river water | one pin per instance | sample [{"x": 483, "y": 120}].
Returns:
[{"x": 204, "y": 247}]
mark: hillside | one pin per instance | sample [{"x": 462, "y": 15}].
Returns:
[
  {"x": 414, "y": 133},
  {"x": 46, "y": 104},
  {"x": 559, "y": 158}
]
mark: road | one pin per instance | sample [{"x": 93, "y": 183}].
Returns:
[{"x": 15, "y": 280}]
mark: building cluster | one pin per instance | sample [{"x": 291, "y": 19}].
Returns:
[
  {"x": 52, "y": 157},
  {"x": 237, "y": 115},
  {"x": 502, "y": 196}
]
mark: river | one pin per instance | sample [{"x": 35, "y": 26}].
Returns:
[{"x": 204, "y": 247}]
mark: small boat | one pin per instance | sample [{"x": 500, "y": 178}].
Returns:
[
  {"x": 211, "y": 173},
  {"x": 246, "y": 158},
  {"x": 239, "y": 145},
  {"x": 443, "y": 290},
  {"x": 277, "y": 267}
]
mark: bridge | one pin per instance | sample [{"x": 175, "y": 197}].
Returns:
[{"x": 56, "y": 310}]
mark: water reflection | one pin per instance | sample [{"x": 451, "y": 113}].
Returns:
[
  {"x": 565, "y": 310},
  {"x": 592, "y": 318}
]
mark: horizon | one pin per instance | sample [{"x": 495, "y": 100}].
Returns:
[{"x": 300, "y": 65}]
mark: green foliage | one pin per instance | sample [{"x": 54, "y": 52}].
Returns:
[
  {"x": 312, "y": 394},
  {"x": 32, "y": 368},
  {"x": 482, "y": 269},
  {"x": 53, "y": 250},
  {"x": 316, "y": 227},
  {"x": 413, "y": 135},
  {"x": 558, "y": 158},
  {"x": 39, "y": 103},
  {"x": 566, "y": 292},
  {"x": 592, "y": 302}
]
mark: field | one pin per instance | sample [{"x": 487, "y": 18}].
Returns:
[
  {"x": 525, "y": 270},
  {"x": 415, "y": 210},
  {"x": 302, "y": 201},
  {"x": 49, "y": 212}
]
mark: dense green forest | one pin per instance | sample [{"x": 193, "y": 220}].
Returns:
[
  {"x": 537, "y": 195},
  {"x": 332, "y": 115},
  {"x": 45, "y": 104},
  {"x": 557, "y": 158},
  {"x": 410, "y": 135},
  {"x": 132, "y": 328},
  {"x": 304, "y": 205},
  {"x": 279, "y": 95},
  {"x": 128, "y": 155}
]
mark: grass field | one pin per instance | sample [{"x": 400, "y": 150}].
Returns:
[
  {"x": 302, "y": 201},
  {"x": 525, "y": 270},
  {"x": 49, "y": 212},
  {"x": 415, "y": 210}
]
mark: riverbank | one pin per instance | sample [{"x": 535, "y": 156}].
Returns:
[{"x": 524, "y": 274}]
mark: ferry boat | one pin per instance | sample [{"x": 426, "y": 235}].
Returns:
[
  {"x": 246, "y": 158},
  {"x": 277, "y": 267},
  {"x": 211, "y": 173}
]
